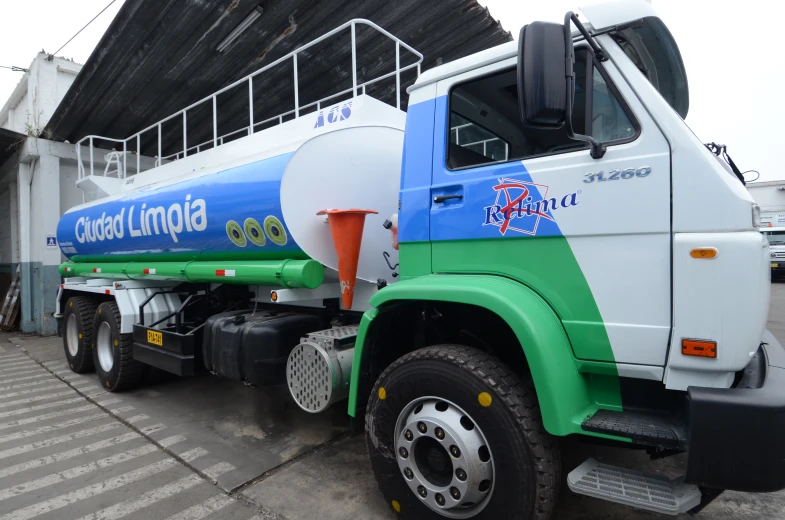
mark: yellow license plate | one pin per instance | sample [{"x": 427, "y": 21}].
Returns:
[
  {"x": 775, "y": 265},
  {"x": 154, "y": 337}
]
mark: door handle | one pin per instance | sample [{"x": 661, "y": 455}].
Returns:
[{"x": 441, "y": 198}]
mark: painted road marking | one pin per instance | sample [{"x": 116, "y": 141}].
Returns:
[
  {"x": 44, "y": 429},
  {"x": 37, "y": 407},
  {"x": 147, "y": 430},
  {"x": 193, "y": 454},
  {"x": 65, "y": 455},
  {"x": 55, "y": 386},
  {"x": 136, "y": 418},
  {"x": 7, "y": 367},
  {"x": 204, "y": 509},
  {"x": 14, "y": 380},
  {"x": 20, "y": 371},
  {"x": 58, "y": 440},
  {"x": 37, "y": 398},
  {"x": 78, "y": 471},
  {"x": 217, "y": 470},
  {"x": 122, "y": 409},
  {"x": 59, "y": 502},
  {"x": 12, "y": 356},
  {"x": 25, "y": 385},
  {"x": 147, "y": 499},
  {"x": 37, "y": 418},
  {"x": 169, "y": 441}
]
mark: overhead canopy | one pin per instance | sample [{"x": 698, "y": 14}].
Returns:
[
  {"x": 160, "y": 56},
  {"x": 9, "y": 142}
]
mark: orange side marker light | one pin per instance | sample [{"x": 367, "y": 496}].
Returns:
[
  {"x": 704, "y": 252},
  {"x": 699, "y": 348}
]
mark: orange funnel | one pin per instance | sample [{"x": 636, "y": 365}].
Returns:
[{"x": 346, "y": 226}]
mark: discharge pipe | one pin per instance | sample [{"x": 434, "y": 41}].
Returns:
[{"x": 308, "y": 274}]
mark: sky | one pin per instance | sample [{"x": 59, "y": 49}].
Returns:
[{"x": 733, "y": 62}]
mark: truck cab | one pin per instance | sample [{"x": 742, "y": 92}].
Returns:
[{"x": 570, "y": 260}]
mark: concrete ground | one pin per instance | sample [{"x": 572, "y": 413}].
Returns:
[{"x": 206, "y": 447}]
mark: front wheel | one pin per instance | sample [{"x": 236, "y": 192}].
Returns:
[
  {"x": 453, "y": 433},
  {"x": 113, "y": 353}
]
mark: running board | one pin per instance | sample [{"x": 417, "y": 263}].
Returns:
[{"x": 633, "y": 488}]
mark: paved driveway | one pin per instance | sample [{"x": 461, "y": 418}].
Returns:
[{"x": 206, "y": 447}]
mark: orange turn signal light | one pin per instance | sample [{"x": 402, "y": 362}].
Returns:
[
  {"x": 274, "y": 296},
  {"x": 703, "y": 252},
  {"x": 699, "y": 348}
]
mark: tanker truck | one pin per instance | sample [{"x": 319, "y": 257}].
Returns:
[{"x": 538, "y": 247}]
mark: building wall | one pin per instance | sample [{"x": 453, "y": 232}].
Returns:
[
  {"x": 5, "y": 228},
  {"x": 770, "y": 196},
  {"x": 38, "y": 94}
]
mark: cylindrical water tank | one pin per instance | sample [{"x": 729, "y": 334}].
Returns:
[{"x": 263, "y": 210}]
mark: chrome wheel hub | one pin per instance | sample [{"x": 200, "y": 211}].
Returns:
[
  {"x": 72, "y": 335},
  {"x": 444, "y": 457},
  {"x": 104, "y": 347}
]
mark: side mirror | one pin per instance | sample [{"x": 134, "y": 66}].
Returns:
[
  {"x": 546, "y": 77},
  {"x": 542, "y": 78}
]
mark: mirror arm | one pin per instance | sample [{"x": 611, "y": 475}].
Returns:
[
  {"x": 598, "y": 52},
  {"x": 597, "y": 148}
]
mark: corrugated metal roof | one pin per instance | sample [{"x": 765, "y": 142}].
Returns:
[
  {"x": 159, "y": 56},
  {"x": 9, "y": 142}
]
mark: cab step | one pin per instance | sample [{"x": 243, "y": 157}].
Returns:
[
  {"x": 646, "y": 429},
  {"x": 633, "y": 488}
]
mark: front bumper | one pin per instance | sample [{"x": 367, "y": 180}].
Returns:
[{"x": 737, "y": 435}]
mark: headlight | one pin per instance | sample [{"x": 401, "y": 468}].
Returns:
[{"x": 755, "y": 216}]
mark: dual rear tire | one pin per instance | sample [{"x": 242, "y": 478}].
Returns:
[{"x": 92, "y": 341}]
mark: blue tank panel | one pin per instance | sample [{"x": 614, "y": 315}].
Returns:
[{"x": 232, "y": 214}]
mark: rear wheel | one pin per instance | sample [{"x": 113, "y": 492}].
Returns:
[
  {"x": 78, "y": 333},
  {"x": 453, "y": 433},
  {"x": 113, "y": 353}
]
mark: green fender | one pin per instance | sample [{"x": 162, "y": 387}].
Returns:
[{"x": 566, "y": 396}]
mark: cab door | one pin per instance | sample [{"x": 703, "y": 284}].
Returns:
[{"x": 592, "y": 236}]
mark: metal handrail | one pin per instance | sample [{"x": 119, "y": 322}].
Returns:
[{"x": 219, "y": 140}]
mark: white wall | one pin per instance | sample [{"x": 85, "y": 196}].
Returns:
[
  {"x": 5, "y": 227},
  {"x": 38, "y": 94},
  {"x": 770, "y": 196}
]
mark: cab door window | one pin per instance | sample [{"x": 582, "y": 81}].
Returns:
[{"x": 485, "y": 125}]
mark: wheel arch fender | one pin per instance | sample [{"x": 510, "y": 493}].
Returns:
[{"x": 562, "y": 392}]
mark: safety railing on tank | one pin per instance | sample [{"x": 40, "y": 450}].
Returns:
[{"x": 116, "y": 160}]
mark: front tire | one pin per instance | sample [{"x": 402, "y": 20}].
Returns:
[
  {"x": 453, "y": 433},
  {"x": 113, "y": 353},
  {"x": 78, "y": 333}
]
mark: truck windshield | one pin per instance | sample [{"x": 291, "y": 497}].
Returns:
[
  {"x": 485, "y": 123},
  {"x": 653, "y": 50}
]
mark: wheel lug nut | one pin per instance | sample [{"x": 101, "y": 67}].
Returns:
[
  {"x": 455, "y": 493},
  {"x": 461, "y": 474},
  {"x": 409, "y": 473},
  {"x": 439, "y": 499},
  {"x": 408, "y": 435},
  {"x": 421, "y": 490},
  {"x": 439, "y": 433},
  {"x": 454, "y": 451},
  {"x": 421, "y": 426},
  {"x": 403, "y": 452}
]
